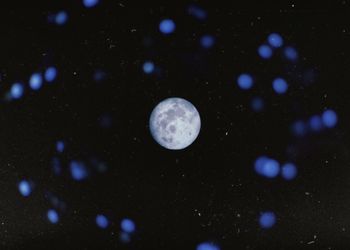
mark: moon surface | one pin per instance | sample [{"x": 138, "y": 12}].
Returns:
[{"x": 175, "y": 123}]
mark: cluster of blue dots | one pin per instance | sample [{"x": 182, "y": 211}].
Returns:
[
  {"x": 316, "y": 123},
  {"x": 36, "y": 81},
  {"x": 245, "y": 81},
  {"x": 271, "y": 168},
  {"x": 276, "y": 41}
]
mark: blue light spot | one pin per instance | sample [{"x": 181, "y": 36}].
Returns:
[
  {"x": 207, "y": 41},
  {"x": 266, "y": 167},
  {"x": 299, "y": 128},
  {"x": 50, "y": 74},
  {"x": 56, "y": 166},
  {"x": 267, "y": 220},
  {"x": 78, "y": 170},
  {"x": 270, "y": 168},
  {"x": 245, "y": 81},
  {"x": 35, "y": 81},
  {"x": 102, "y": 221},
  {"x": 290, "y": 53},
  {"x": 127, "y": 225},
  {"x": 99, "y": 75},
  {"x": 52, "y": 216},
  {"x": 280, "y": 86},
  {"x": 25, "y": 188},
  {"x": 60, "y": 146},
  {"x": 148, "y": 67},
  {"x": 17, "y": 90},
  {"x": 90, "y": 3},
  {"x": 257, "y": 104},
  {"x": 265, "y": 51},
  {"x": 329, "y": 118},
  {"x": 315, "y": 123},
  {"x": 61, "y": 18},
  {"x": 207, "y": 246},
  {"x": 197, "y": 12},
  {"x": 124, "y": 237},
  {"x": 167, "y": 26},
  {"x": 275, "y": 40},
  {"x": 289, "y": 171}
]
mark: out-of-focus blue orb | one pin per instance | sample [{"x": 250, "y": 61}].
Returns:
[
  {"x": 102, "y": 221},
  {"x": 290, "y": 53},
  {"x": 299, "y": 128},
  {"x": 127, "y": 225},
  {"x": 50, "y": 74},
  {"x": 289, "y": 171},
  {"x": 315, "y": 123},
  {"x": 245, "y": 81},
  {"x": 90, "y": 3},
  {"x": 265, "y": 51},
  {"x": 267, "y": 167},
  {"x": 24, "y": 188},
  {"x": 197, "y": 12},
  {"x": 35, "y": 81},
  {"x": 60, "y": 146},
  {"x": 56, "y": 166},
  {"x": 257, "y": 104},
  {"x": 280, "y": 85},
  {"x": 52, "y": 216},
  {"x": 78, "y": 170},
  {"x": 167, "y": 26},
  {"x": 148, "y": 67},
  {"x": 61, "y": 18},
  {"x": 207, "y": 246},
  {"x": 275, "y": 40},
  {"x": 207, "y": 41},
  {"x": 124, "y": 237},
  {"x": 267, "y": 219},
  {"x": 17, "y": 90},
  {"x": 329, "y": 118}
]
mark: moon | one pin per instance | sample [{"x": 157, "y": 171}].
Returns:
[{"x": 175, "y": 123}]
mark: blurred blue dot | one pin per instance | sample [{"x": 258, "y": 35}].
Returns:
[
  {"x": 290, "y": 53},
  {"x": 257, "y": 104},
  {"x": 197, "y": 12},
  {"x": 127, "y": 225},
  {"x": 245, "y": 81},
  {"x": 270, "y": 168},
  {"x": 167, "y": 26},
  {"x": 280, "y": 86},
  {"x": 90, "y": 3},
  {"x": 56, "y": 166},
  {"x": 265, "y": 51},
  {"x": 207, "y": 246},
  {"x": 259, "y": 164},
  {"x": 289, "y": 171},
  {"x": 60, "y": 146},
  {"x": 50, "y": 74},
  {"x": 267, "y": 219},
  {"x": 52, "y": 216},
  {"x": 102, "y": 221},
  {"x": 24, "y": 188},
  {"x": 124, "y": 237},
  {"x": 99, "y": 75},
  {"x": 35, "y": 81},
  {"x": 207, "y": 41},
  {"x": 78, "y": 170},
  {"x": 148, "y": 67},
  {"x": 275, "y": 40},
  {"x": 17, "y": 90},
  {"x": 61, "y": 18},
  {"x": 315, "y": 123},
  {"x": 329, "y": 118},
  {"x": 299, "y": 128}
]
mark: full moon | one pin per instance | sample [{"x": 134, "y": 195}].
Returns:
[{"x": 175, "y": 123}]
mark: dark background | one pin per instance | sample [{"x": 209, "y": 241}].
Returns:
[{"x": 207, "y": 192}]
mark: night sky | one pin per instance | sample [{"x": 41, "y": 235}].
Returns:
[{"x": 92, "y": 111}]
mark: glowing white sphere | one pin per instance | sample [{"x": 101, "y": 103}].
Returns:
[{"x": 175, "y": 123}]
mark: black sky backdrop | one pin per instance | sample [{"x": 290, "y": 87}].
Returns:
[{"x": 207, "y": 192}]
